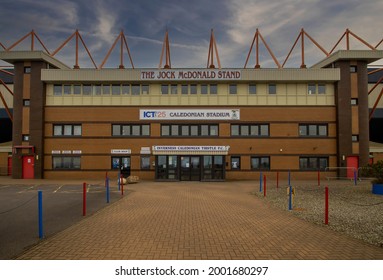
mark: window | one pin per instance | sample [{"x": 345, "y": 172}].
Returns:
[
  {"x": 189, "y": 130},
  {"x": 125, "y": 89},
  {"x": 203, "y": 89},
  {"x": 233, "y": 89},
  {"x": 354, "y": 101},
  {"x": 260, "y": 163},
  {"x": 145, "y": 162},
  {"x": 250, "y": 130},
  {"x": 67, "y": 130},
  {"x": 184, "y": 89},
  {"x": 213, "y": 89},
  {"x": 67, "y": 89},
  {"x": 353, "y": 69},
  {"x": 26, "y": 102},
  {"x": 77, "y": 89},
  {"x": 135, "y": 89},
  {"x": 106, "y": 89},
  {"x": 97, "y": 89},
  {"x": 313, "y": 163},
  {"x": 252, "y": 89},
  {"x": 121, "y": 162},
  {"x": 235, "y": 163},
  {"x": 164, "y": 89},
  {"x": 313, "y": 130},
  {"x": 311, "y": 89},
  {"x": 26, "y": 137},
  {"x": 131, "y": 130},
  {"x": 355, "y": 138},
  {"x": 145, "y": 89},
  {"x": 57, "y": 90},
  {"x": 173, "y": 89},
  {"x": 27, "y": 70},
  {"x": 66, "y": 162},
  {"x": 116, "y": 89},
  {"x": 321, "y": 89},
  {"x": 86, "y": 89},
  {"x": 272, "y": 89},
  {"x": 193, "y": 89}
]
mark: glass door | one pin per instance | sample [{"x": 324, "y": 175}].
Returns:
[
  {"x": 195, "y": 168},
  {"x": 185, "y": 168}
]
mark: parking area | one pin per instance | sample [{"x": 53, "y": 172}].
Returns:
[{"x": 62, "y": 204}]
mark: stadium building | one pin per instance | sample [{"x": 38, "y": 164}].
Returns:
[{"x": 176, "y": 124}]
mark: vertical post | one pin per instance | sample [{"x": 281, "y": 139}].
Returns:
[
  {"x": 122, "y": 184},
  {"x": 355, "y": 177},
  {"x": 107, "y": 190},
  {"x": 264, "y": 185},
  {"x": 84, "y": 199},
  {"x": 260, "y": 181},
  {"x": 40, "y": 210},
  {"x": 289, "y": 177},
  {"x": 277, "y": 179},
  {"x": 290, "y": 198},
  {"x": 118, "y": 179},
  {"x": 326, "y": 207},
  {"x": 318, "y": 177}
]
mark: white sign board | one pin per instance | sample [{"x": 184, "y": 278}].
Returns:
[
  {"x": 121, "y": 151},
  {"x": 189, "y": 114},
  {"x": 191, "y": 74}
]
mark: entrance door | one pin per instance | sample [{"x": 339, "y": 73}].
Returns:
[
  {"x": 190, "y": 168},
  {"x": 9, "y": 166},
  {"x": 352, "y": 165},
  {"x": 28, "y": 167}
]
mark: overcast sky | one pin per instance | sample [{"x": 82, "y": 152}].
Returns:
[{"x": 189, "y": 23}]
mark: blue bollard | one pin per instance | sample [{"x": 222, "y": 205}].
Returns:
[
  {"x": 290, "y": 198},
  {"x": 107, "y": 190},
  {"x": 40, "y": 210},
  {"x": 355, "y": 177},
  {"x": 289, "y": 178},
  {"x": 260, "y": 182},
  {"x": 118, "y": 179}
]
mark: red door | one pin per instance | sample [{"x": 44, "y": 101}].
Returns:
[
  {"x": 352, "y": 165},
  {"x": 9, "y": 166},
  {"x": 28, "y": 167}
]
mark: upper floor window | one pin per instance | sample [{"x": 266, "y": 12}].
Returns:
[
  {"x": 27, "y": 70},
  {"x": 353, "y": 69},
  {"x": 250, "y": 130},
  {"x": 189, "y": 130},
  {"x": 131, "y": 130},
  {"x": 272, "y": 89},
  {"x": 252, "y": 88},
  {"x": 313, "y": 130},
  {"x": 233, "y": 89},
  {"x": 67, "y": 130}
]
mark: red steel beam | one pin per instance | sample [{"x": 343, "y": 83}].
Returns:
[
  {"x": 269, "y": 50},
  {"x": 296, "y": 41},
  {"x": 381, "y": 41},
  {"x": 7, "y": 72},
  {"x": 6, "y": 107},
  {"x": 374, "y": 87},
  {"x": 1, "y": 45},
  {"x": 9, "y": 90},
  {"x": 376, "y": 104},
  {"x": 375, "y": 71}
]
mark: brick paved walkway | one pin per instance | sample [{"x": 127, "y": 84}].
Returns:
[{"x": 188, "y": 220}]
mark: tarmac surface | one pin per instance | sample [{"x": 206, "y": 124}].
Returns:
[{"x": 195, "y": 220}]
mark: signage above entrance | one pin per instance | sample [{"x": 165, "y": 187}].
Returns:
[
  {"x": 191, "y": 75},
  {"x": 189, "y": 114},
  {"x": 190, "y": 150}
]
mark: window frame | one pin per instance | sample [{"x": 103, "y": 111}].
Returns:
[
  {"x": 260, "y": 158},
  {"x": 64, "y": 128}
]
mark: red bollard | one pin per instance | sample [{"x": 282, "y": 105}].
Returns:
[
  {"x": 326, "y": 207},
  {"x": 264, "y": 185},
  {"x": 84, "y": 199},
  {"x": 318, "y": 178},
  {"x": 122, "y": 185}
]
